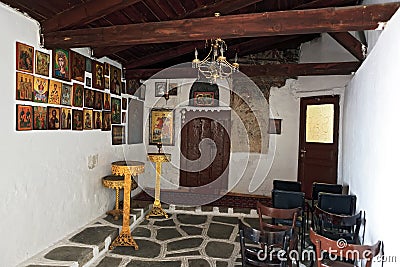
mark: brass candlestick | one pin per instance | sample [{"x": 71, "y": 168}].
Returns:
[{"x": 158, "y": 158}]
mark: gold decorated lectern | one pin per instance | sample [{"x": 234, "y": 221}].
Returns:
[
  {"x": 158, "y": 158},
  {"x": 126, "y": 169}
]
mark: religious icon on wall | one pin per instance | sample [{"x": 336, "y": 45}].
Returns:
[
  {"x": 160, "y": 89},
  {"x": 87, "y": 119},
  {"x": 204, "y": 99},
  {"x": 25, "y": 54},
  {"x": 106, "y": 69},
  {"x": 106, "y": 120},
  {"x": 123, "y": 91},
  {"x": 88, "y": 82},
  {"x": 115, "y": 81},
  {"x": 173, "y": 89},
  {"x": 124, "y": 103},
  {"x": 66, "y": 95},
  {"x": 61, "y": 64},
  {"x": 77, "y": 98},
  {"x": 161, "y": 126},
  {"x": 88, "y": 66},
  {"x": 118, "y": 135},
  {"x": 77, "y": 66},
  {"x": 54, "y": 92},
  {"x": 24, "y": 86},
  {"x": 42, "y": 66},
  {"x": 123, "y": 118},
  {"x": 142, "y": 92},
  {"x": 77, "y": 119},
  {"x": 40, "y": 90},
  {"x": 66, "y": 118},
  {"x": 106, "y": 83},
  {"x": 98, "y": 75},
  {"x": 132, "y": 86},
  {"x": 53, "y": 118},
  {"x": 98, "y": 100},
  {"x": 97, "y": 119},
  {"x": 39, "y": 118},
  {"x": 24, "y": 118},
  {"x": 107, "y": 101},
  {"x": 115, "y": 110},
  {"x": 135, "y": 121},
  {"x": 89, "y": 98}
]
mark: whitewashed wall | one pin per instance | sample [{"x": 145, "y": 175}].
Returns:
[
  {"x": 371, "y": 141},
  {"x": 47, "y": 190}
]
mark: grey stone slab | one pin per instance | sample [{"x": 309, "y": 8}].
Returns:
[
  {"x": 192, "y": 230},
  {"x": 137, "y": 263},
  {"x": 167, "y": 233},
  {"x": 220, "y": 231},
  {"x": 70, "y": 253},
  {"x": 253, "y": 222},
  {"x": 147, "y": 249},
  {"x": 109, "y": 262},
  {"x": 166, "y": 222},
  {"x": 223, "y": 209},
  {"x": 241, "y": 210},
  {"x": 118, "y": 222},
  {"x": 144, "y": 222},
  {"x": 95, "y": 235},
  {"x": 198, "y": 263},
  {"x": 215, "y": 249},
  {"x": 186, "y": 208},
  {"x": 184, "y": 243},
  {"x": 141, "y": 232},
  {"x": 224, "y": 219},
  {"x": 207, "y": 208},
  {"x": 222, "y": 264},
  {"x": 191, "y": 219},
  {"x": 181, "y": 254}
]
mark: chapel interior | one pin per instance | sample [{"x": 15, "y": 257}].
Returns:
[{"x": 199, "y": 132}]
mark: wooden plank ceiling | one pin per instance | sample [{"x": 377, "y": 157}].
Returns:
[{"x": 152, "y": 34}]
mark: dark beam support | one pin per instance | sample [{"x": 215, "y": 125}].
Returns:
[
  {"x": 350, "y": 43},
  {"x": 271, "y": 70},
  {"x": 84, "y": 13},
  {"x": 341, "y": 19},
  {"x": 223, "y": 7},
  {"x": 324, "y": 3}
]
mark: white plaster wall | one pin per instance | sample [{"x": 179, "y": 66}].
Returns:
[
  {"x": 371, "y": 141},
  {"x": 46, "y": 188}
]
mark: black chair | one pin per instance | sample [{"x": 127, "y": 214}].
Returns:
[
  {"x": 289, "y": 200},
  {"x": 286, "y": 185},
  {"x": 336, "y": 227},
  {"x": 260, "y": 249},
  {"x": 337, "y": 204},
  {"x": 318, "y": 188}
]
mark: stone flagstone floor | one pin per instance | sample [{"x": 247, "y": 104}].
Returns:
[{"x": 198, "y": 237}]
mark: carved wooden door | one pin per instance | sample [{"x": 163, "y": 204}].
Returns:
[{"x": 205, "y": 150}]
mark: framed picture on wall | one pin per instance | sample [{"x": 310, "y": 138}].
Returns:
[
  {"x": 98, "y": 75},
  {"x": 42, "y": 66},
  {"x": 203, "y": 99},
  {"x": 40, "y": 90},
  {"x": 106, "y": 121},
  {"x": 161, "y": 127},
  {"x": 39, "y": 118},
  {"x": 97, "y": 118},
  {"x": 66, "y": 119},
  {"x": 24, "y": 86},
  {"x": 25, "y": 55},
  {"x": 78, "y": 67},
  {"x": 66, "y": 94},
  {"x": 115, "y": 110},
  {"x": 173, "y": 89},
  {"x": 87, "y": 119},
  {"x": 115, "y": 81},
  {"x": 61, "y": 64},
  {"x": 275, "y": 126},
  {"x": 77, "y": 119},
  {"x": 77, "y": 99},
  {"x": 118, "y": 134},
  {"x": 54, "y": 92},
  {"x": 160, "y": 89},
  {"x": 53, "y": 116},
  {"x": 24, "y": 118}
]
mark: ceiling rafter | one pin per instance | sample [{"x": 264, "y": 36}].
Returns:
[
  {"x": 84, "y": 13},
  {"x": 339, "y": 19},
  {"x": 350, "y": 43},
  {"x": 323, "y": 3},
  {"x": 267, "y": 70}
]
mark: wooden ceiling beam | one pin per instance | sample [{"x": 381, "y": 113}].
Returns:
[
  {"x": 84, "y": 13},
  {"x": 340, "y": 19},
  {"x": 268, "y": 70},
  {"x": 223, "y": 7},
  {"x": 324, "y": 3},
  {"x": 350, "y": 43}
]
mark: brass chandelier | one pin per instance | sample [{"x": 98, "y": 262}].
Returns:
[{"x": 215, "y": 65}]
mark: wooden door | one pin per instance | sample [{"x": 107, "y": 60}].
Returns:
[
  {"x": 205, "y": 150},
  {"x": 318, "y": 143}
]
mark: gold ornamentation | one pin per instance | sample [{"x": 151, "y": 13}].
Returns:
[
  {"x": 158, "y": 158},
  {"x": 127, "y": 169},
  {"x": 117, "y": 185}
]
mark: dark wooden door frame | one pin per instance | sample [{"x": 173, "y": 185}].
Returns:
[{"x": 305, "y": 147}]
